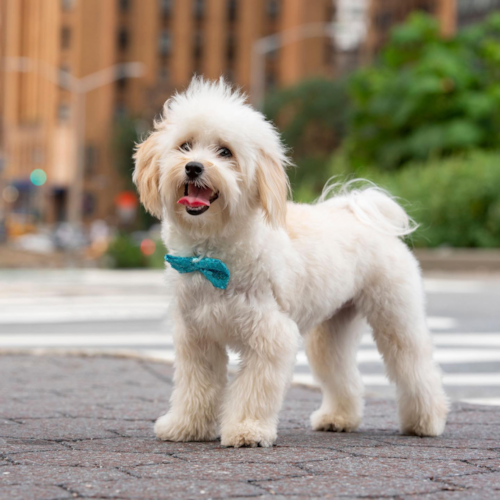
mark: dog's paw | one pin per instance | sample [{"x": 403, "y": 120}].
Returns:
[
  {"x": 334, "y": 422},
  {"x": 249, "y": 433},
  {"x": 171, "y": 427},
  {"x": 422, "y": 422}
]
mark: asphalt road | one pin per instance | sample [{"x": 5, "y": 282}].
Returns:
[{"x": 128, "y": 313}]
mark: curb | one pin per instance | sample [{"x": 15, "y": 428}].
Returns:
[{"x": 458, "y": 260}]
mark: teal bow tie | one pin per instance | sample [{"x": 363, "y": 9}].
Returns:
[{"x": 213, "y": 269}]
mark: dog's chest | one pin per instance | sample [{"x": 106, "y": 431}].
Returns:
[{"x": 221, "y": 312}]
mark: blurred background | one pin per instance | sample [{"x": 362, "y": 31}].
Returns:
[
  {"x": 402, "y": 92},
  {"x": 405, "y": 93}
]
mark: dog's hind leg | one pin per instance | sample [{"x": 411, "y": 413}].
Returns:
[
  {"x": 331, "y": 349},
  {"x": 395, "y": 309}
]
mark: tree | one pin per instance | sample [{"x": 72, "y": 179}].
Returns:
[
  {"x": 128, "y": 133},
  {"x": 427, "y": 96},
  {"x": 312, "y": 117}
]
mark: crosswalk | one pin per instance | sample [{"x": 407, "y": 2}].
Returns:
[{"x": 127, "y": 314}]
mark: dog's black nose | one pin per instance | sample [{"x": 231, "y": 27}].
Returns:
[{"x": 193, "y": 169}]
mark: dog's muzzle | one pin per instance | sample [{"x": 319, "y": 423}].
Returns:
[{"x": 197, "y": 197}]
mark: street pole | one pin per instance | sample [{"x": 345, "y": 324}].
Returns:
[
  {"x": 75, "y": 189},
  {"x": 263, "y": 46},
  {"x": 79, "y": 88}
]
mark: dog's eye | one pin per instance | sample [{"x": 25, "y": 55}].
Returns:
[
  {"x": 185, "y": 146},
  {"x": 225, "y": 153}
]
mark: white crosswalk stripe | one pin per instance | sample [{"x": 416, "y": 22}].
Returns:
[
  {"x": 164, "y": 343},
  {"x": 112, "y": 318}
]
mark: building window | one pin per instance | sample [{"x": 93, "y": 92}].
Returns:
[
  {"x": 199, "y": 7},
  {"x": 427, "y": 7},
  {"x": 65, "y": 37},
  {"x": 273, "y": 8},
  {"x": 63, "y": 112},
  {"x": 91, "y": 159},
  {"x": 121, "y": 83},
  {"x": 272, "y": 55},
  {"x": 120, "y": 111},
  {"x": 124, "y": 5},
  {"x": 198, "y": 46},
  {"x": 384, "y": 20},
  {"x": 59, "y": 197},
  {"x": 232, "y": 10},
  {"x": 230, "y": 49},
  {"x": 165, "y": 43},
  {"x": 229, "y": 75},
  {"x": 270, "y": 81},
  {"x": 64, "y": 75},
  {"x": 89, "y": 203},
  {"x": 166, "y": 7},
  {"x": 163, "y": 75},
  {"x": 37, "y": 155},
  {"x": 67, "y": 4},
  {"x": 123, "y": 39},
  {"x": 329, "y": 52},
  {"x": 121, "y": 78}
]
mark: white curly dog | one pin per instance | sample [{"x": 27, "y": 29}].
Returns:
[{"x": 213, "y": 170}]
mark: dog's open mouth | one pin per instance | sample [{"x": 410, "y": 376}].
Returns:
[{"x": 197, "y": 199}]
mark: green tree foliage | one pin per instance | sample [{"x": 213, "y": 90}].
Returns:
[
  {"x": 124, "y": 253},
  {"x": 427, "y": 97},
  {"x": 312, "y": 117},
  {"x": 127, "y": 135},
  {"x": 456, "y": 200}
]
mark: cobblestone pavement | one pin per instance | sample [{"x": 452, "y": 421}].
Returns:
[{"x": 73, "y": 427}]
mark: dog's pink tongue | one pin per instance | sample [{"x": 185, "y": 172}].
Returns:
[{"x": 196, "y": 197}]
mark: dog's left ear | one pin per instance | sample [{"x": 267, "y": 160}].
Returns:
[
  {"x": 273, "y": 187},
  {"x": 147, "y": 175}
]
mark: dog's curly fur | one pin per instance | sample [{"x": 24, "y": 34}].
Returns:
[{"x": 317, "y": 270}]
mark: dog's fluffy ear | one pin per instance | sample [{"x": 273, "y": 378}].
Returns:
[
  {"x": 147, "y": 175},
  {"x": 273, "y": 186}
]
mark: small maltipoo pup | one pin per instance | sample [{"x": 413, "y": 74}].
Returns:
[{"x": 254, "y": 272}]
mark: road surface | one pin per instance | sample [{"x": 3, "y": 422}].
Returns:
[{"x": 127, "y": 312}]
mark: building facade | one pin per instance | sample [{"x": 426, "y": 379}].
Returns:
[
  {"x": 45, "y": 125},
  {"x": 172, "y": 39}
]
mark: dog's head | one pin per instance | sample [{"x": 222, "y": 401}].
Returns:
[{"x": 211, "y": 161}]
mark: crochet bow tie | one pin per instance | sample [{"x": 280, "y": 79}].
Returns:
[{"x": 213, "y": 269}]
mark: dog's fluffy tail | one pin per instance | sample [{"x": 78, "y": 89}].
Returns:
[{"x": 371, "y": 205}]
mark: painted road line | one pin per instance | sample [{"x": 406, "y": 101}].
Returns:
[
  {"x": 469, "y": 339},
  {"x": 482, "y": 401},
  {"x": 450, "y": 380},
  {"x": 69, "y": 314},
  {"x": 476, "y": 340},
  {"x": 158, "y": 278},
  {"x": 106, "y": 277},
  {"x": 96, "y": 300},
  {"x": 73, "y": 340},
  {"x": 443, "y": 286},
  {"x": 441, "y": 355},
  {"x": 441, "y": 323},
  {"x": 114, "y": 309}
]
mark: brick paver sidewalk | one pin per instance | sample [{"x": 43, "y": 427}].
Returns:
[{"x": 82, "y": 428}]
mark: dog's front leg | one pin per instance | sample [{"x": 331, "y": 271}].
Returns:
[
  {"x": 252, "y": 402},
  {"x": 200, "y": 378}
]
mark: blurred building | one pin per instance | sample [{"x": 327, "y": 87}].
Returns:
[
  {"x": 39, "y": 125},
  {"x": 173, "y": 39},
  {"x": 382, "y": 15}
]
